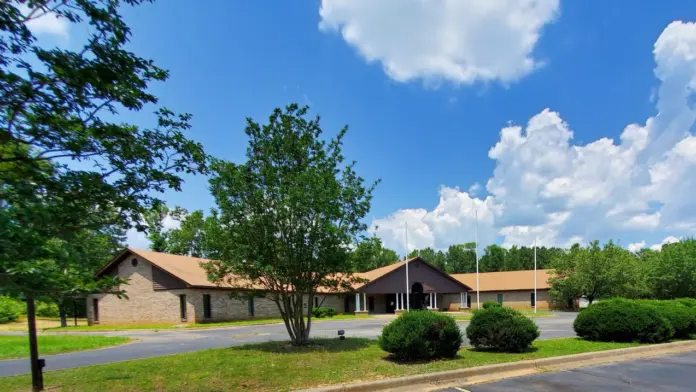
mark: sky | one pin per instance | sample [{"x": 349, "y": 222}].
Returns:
[{"x": 547, "y": 120}]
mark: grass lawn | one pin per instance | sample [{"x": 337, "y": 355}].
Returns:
[
  {"x": 277, "y": 366},
  {"x": 41, "y": 323},
  {"x": 120, "y": 327},
  {"x": 18, "y": 346}
]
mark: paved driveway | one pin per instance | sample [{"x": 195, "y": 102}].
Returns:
[
  {"x": 674, "y": 373},
  {"x": 166, "y": 342}
]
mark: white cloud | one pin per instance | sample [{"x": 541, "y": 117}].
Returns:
[
  {"x": 457, "y": 41},
  {"x": 138, "y": 240},
  {"x": 668, "y": 240},
  {"x": 549, "y": 188},
  {"x": 636, "y": 246},
  {"x": 45, "y": 22}
]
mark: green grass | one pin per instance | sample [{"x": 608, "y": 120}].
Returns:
[
  {"x": 121, "y": 327},
  {"x": 277, "y": 366},
  {"x": 18, "y": 346}
]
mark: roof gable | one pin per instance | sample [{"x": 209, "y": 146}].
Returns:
[{"x": 393, "y": 277}]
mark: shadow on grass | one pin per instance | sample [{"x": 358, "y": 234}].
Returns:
[
  {"x": 491, "y": 350},
  {"x": 462, "y": 354},
  {"x": 315, "y": 345}
]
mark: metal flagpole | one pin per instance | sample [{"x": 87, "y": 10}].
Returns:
[
  {"x": 535, "y": 277},
  {"x": 408, "y": 289},
  {"x": 478, "y": 299}
]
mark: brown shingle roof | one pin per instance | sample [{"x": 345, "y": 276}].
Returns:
[{"x": 507, "y": 280}]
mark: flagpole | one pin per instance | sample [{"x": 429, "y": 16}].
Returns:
[
  {"x": 535, "y": 277},
  {"x": 408, "y": 289},
  {"x": 478, "y": 298}
]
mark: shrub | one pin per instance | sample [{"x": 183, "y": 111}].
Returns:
[
  {"x": 688, "y": 302},
  {"x": 47, "y": 309},
  {"x": 322, "y": 312},
  {"x": 622, "y": 320},
  {"x": 491, "y": 304},
  {"x": 501, "y": 329},
  {"x": 681, "y": 318},
  {"x": 10, "y": 309},
  {"x": 421, "y": 335}
]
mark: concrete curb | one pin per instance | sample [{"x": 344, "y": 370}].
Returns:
[{"x": 529, "y": 365}]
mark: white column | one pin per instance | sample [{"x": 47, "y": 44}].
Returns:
[
  {"x": 430, "y": 300},
  {"x": 461, "y": 300},
  {"x": 365, "y": 302},
  {"x": 435, "y": 295},
  {"x": 357, "y": 302}
]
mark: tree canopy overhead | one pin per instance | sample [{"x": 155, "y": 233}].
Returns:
[{"x": 290, "y": 213}]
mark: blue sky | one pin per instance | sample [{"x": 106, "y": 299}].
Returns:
[{"x": 427, "y": 87}]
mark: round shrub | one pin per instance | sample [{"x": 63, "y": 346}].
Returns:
[
  {"x": 322, "y": 312},
  {"x": 501, "y": 329},
  {"x": 10, "y": 309},
  {"x": 622, "y": 320},
  {"x": 47, "y": 309},
  {"x": 491, "y": 304},
  {"x": 421, "y": 335},
  {"x": 688, "y": 302},
  {"x": 681, "y": 318}
]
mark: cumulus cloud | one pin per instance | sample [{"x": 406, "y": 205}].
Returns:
[
  {"x": 458, "y": 41},
  {"x": 546, "y": 187},
  {"x": 668, "y": 240},
  {"x": 137, "y": 239},
  {"x": 636, "y": 246},
  {"x": 48, "y": 23}
]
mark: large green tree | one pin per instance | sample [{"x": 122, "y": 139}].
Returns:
[
  {"x": 461, "y": 258},
  {"x": 68, "y": 161},
  {"x": 290, "y": 214},
  {"x": 493, "y": 259},
  {"x": 671, "y": 272},
  {"x": 370, "y": 254}
]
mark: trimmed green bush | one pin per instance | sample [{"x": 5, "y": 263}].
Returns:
[
  {"x": 622, "y": 320},
  {"x": 47, "y": 309},
  {"x": 491, "y": 304},
  {"x": 501, "y": 329},
  {"x": 322, "y": 312},
  {"x": 682, "y": 318},
  {"x": 688, "y": 302},
  {"x": 10, "y": 309},
  {"x": 421, "y": 335}
]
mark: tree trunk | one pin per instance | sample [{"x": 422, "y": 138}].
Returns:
[
  {"x": 62, "y": 313},
  {"x": 36, "y": 371}
]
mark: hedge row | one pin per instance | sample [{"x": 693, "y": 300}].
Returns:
[
  {"x": 322, "y": 312},
  {"x": 646, "y": 321}
]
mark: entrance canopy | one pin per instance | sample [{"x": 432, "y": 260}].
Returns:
[{"x": 421, "y": 274}]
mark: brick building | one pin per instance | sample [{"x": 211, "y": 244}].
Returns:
[{"x": 165, "y": 288}]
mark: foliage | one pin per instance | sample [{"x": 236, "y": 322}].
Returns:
[
  {"x": 622, "y": 320},
  {"x": 689, "y": 302},
  {"x": 594, "y": 272},
  {"x": 47, "y": 309},
  {"x": 493, "y": 259},
  {"x": 289, "y": 214},
  {"x": 672, "y": 271},
  {"x": 69, "y": 164},
  {"x": 501, "y": 329},
  {"x": 491, "y": 304},
  {"x": 154, "y": 222},
  {"x": 322, "y": 312},
  {"x": 461, "y": 259},
  {"x": 10, "y": 309},
  {"x": 370, "y": 254},
  {"x": 421, "y": 335},
  {"x": 682, "y": 318}
]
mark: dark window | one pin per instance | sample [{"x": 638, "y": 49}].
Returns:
[
  {"x": 316, "y": 302},
  {"x": 134, "y": 262},
  {"x": 533, "y": 300},
  {"x": 500, "y": 299},
  {"x": 95, "y": 308},
  {"x": 371, "y": 303},
  {"x": 206, "y": 306},
  {"x": 250, "y": 305},
  {"x": 468, "y": 301},
  {"x": 182, "y": 306}
]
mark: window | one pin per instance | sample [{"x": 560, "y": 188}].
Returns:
[
  {"x": 532, "y": 300},
  {"x": 500, "y": 299},
  {"x": 371, "y": 303},
  {"x": 468, "y": 301},
  {"x": 316, "y": 302},
  {"x": 206, "y": 307},
  {"x": 134, "y": 262},
  {"x": 250, "y": 306},
  {"x": 182, "y": 306},
  {"x": 95, "y": 308}
]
